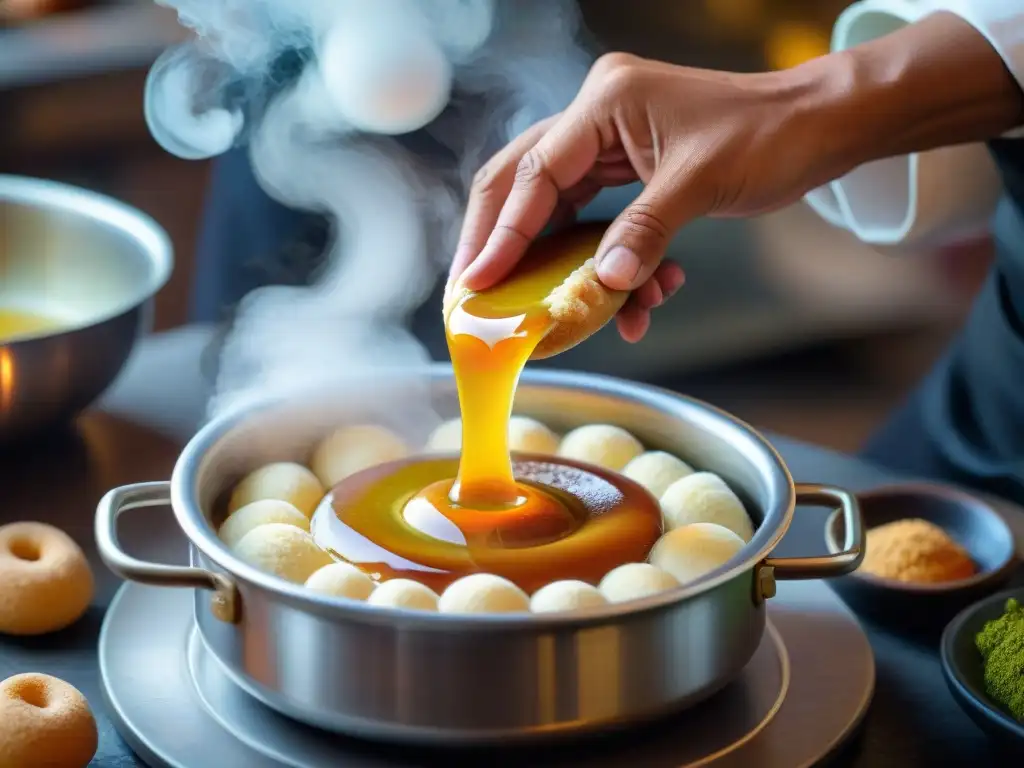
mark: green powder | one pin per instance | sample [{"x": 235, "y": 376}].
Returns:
[{"x": 1001, "y": 644}]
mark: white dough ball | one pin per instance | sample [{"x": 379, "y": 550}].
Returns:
[
  {"x": 656, "y": 471},
  {"x": 282, "y": 550},
  {"x": 404, "y": 593},
  {"x": 483, "y": 593},
  {"x": 283, "y": 481},
  {"x": 569, "y": 595},
  {"x": 694, "y": 550},
  {"x": 352, "y": 449},
  {"x": 341, "y": 580},
  {"x": 447, "y": 438},
  {"x": 635, "y": 580},
  {"x": 704, "y": 497},
  {"x": 527, "y": 435},
  {"x": 601, "y": 444},
  {"x": 258, "y": 513}
]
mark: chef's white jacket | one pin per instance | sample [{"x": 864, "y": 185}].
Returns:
[{"x": 933, "y": 197}]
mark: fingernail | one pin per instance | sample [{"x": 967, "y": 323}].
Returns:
[
  {"x": 460, "y": 261},
  {"x": 618, "y": 267},
  {"x": 467, "y": 276},
  {"x": 470, "y": 277},
  {"x": 660, "y": 298},
  {"x": 675, "y": 282},
  {"x": 461, "y": 252}
]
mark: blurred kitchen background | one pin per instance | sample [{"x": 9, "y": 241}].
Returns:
[{"x": 785, "y": 321}]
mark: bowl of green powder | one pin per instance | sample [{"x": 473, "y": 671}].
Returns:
[{"x": 982, "y": 656}]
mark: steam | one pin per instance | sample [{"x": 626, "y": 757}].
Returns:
[{"x": 336, "y": 100}]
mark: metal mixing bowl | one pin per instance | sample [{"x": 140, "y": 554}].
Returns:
[
  {"x": 356, "y": 668},
  {"x": 89, "y": 262}
]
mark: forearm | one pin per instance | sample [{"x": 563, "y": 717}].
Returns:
[{"x": 935, "y": 83}]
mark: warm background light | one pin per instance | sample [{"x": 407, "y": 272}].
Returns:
[{"x": 792, "y": 43}]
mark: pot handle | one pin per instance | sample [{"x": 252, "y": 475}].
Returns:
[
  {"x": 825, "y": 566},
  {"x": 158, "y": 494}
]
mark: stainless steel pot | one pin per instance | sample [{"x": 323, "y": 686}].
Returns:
[
  {"x": 387, "y": 674},
  {"x": 90, "y": 261}
]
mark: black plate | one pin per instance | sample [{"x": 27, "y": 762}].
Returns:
[
  {"x": 962, "y": 667},
  {"x": 926, "y": 608}
]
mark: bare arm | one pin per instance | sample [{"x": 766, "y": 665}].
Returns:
[
  {"x": 725, "y": 144},
  {"x": 935, "y": 83}
]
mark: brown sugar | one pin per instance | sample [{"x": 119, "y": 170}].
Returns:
[{"x": 916, "y": 551}]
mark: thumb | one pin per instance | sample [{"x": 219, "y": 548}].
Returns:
[{"x": 635, "y": 243}]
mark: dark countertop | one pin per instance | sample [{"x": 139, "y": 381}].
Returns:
[{"x": 135, "y": 436}]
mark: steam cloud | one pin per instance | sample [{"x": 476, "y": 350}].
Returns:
[{"x": 336, "y": 137}]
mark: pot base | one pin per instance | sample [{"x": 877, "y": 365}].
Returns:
[{"x": 160, "y": 683}]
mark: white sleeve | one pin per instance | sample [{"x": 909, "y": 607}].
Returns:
[
  {"x": 932, "y": 197},
  {"x": 1001, "y": 22}
]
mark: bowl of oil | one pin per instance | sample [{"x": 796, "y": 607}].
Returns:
[{"x": 78, "y": 272}]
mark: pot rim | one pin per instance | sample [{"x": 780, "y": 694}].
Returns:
[
  {"x": 203, "y": 537},
  {"x": 151, "y": 239}
]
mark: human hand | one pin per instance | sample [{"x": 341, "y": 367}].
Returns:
[
  {"x": 710, "y": 143},
  {"x": 704, "y": 143}
]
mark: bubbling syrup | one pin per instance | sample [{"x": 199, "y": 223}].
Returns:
[{"x": 533, "y": 521}]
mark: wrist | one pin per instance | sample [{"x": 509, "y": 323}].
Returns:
[{"x": 934, "y": 83}]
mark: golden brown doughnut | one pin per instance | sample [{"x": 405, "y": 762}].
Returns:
[
  {"x": 45, "y": 580},
  {"x": 45, "y": 723},
  {"x": 581, "y": 305}
]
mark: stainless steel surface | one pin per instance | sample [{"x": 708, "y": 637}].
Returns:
[
  {"x": 160, "y": 681},
  {"x": 352, "y": 667},
  {"x": 89, "y": 261},
  {"x": 157, "y": 494},
  {"x": 843, "y": 559}
]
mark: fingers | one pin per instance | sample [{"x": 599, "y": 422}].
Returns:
[
  {"x": 635, "y": 243},
  {"x": 490, "y": 188},
  {"x": 633, "y": 323},
  {"x": 670, "y": 277},
  {"x": 634, "y": 319},
  {"x": 573, "y": 201},
  {"x": 558, "y": 161}
]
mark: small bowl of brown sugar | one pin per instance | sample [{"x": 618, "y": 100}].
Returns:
[{"x": 930, "y": 550}]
